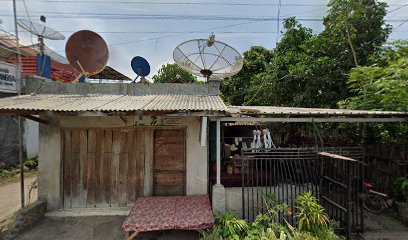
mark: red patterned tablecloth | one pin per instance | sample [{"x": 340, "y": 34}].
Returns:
[{"x": 164, "y": 213}]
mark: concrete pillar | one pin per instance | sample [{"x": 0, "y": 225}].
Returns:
[
  {"x": 218, "y": 142},
  {"x": 49, "y": 166},
  {"x": 218, "y": 198},
  {"x": 218, "y": 190}
]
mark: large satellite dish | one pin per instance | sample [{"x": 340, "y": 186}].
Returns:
[
  {"x": 87, "y": 52},
  {"x": 41, "y": 31},
  {"x": 208, "y": 58}
]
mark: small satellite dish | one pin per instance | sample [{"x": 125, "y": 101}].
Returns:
[
  {"x": 208, "y": 58},
  {"x": 87, "y": 52},
  {"x": 141, "y": 67}
]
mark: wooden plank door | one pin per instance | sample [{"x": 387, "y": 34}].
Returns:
[
  {"x": 169, "y": 167},
  {"x": 102, "y": 167}
]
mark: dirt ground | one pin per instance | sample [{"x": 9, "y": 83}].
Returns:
[
  {"x": 10, "y": 197},
  {"x": 383, "y": 227},
  {"x": 101, "y": 227},
  {"x": 378, "y": 227}
]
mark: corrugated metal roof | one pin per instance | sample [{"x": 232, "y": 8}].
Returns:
[
  {"x": 94, "y": 102},
  {"x": 267, "y": 110}
]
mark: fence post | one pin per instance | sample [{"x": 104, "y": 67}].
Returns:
[{"x": 349, "y": 199}]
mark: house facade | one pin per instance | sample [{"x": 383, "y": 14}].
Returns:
[{"x": 105, "y": 145}]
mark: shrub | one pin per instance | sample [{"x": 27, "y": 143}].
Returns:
[
  {"x": 311, "y": 215},
  {"x": 231, "y": 226},
  {"x": 32, "y": 164},
  {"x": 401, "y": 185},
  {"x": 312, "y": 223}
]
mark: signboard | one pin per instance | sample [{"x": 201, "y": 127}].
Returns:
[{"x": 8, "y": 78}]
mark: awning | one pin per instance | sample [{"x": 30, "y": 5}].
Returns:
[
  {"x": 31, "y": 104},
  {"x": 294, "y": 111}
]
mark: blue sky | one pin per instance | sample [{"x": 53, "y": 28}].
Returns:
[{"x": 156, "y": 35}]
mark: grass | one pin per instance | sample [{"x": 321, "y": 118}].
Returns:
[{"x": 16, "y": 178}]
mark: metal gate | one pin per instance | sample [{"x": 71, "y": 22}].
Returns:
[{"x": 284, "y": 173}]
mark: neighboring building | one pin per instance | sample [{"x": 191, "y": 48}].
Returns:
[{"x": 60, "y": 71}]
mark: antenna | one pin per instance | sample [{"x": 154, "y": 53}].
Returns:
[
  {"x": 141, "y": 67},
  {"x": 87, "y": 52},
  {"x": 208, "y": 58},
  {"x": 41, "y": 31}
]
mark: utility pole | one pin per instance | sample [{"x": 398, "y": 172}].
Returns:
[{"x": 19, "y": 83}]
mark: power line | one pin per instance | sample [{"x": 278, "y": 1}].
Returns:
[
  {"x": 398, "y": 8},
  {"x": 175, "y": 35},
  {"x": 186, "y": 3},
  {"x": 163, "y": 32},
  {"x": 121, "y": 16},
  {"x": 406, "y": 20}
]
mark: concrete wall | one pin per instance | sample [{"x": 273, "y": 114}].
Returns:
[
  {"x": 8, "y": 137},
  {"x": 33, "y": 85},
  {"x": 31, "y": 138},
  {"x": 50, "y": 151}
]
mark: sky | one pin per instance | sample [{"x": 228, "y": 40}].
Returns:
[{"x": 153, "y": 28}]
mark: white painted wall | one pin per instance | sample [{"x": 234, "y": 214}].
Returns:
[{"x": 31, "y": 138}]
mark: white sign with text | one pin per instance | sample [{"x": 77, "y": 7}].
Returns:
[{"x": 8, "y": 78}]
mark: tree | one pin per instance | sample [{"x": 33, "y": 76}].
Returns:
[
  {"x": 355, "y": 30},
  {"x": 383, "y": 85},
  {"x": 310, "y": 70},
  {"x": 234, "y": 89},
  {"x": 169, "y": 72}
]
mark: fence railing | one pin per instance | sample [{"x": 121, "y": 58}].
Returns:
[{"x": 284, "y": 173}]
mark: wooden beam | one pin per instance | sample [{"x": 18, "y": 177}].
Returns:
[{"x": 36, "y": 119}]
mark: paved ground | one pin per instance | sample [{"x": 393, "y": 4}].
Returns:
[
  {"x": 10, "y": 197},
  {"x": 88, "y": 228},
  {"x": 383, "y": 227}
]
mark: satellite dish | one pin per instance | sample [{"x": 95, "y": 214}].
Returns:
[
  {"x": 208, "y": 58},
  {"x": 141, "y": 67},
  {"x": 87, "y": 52},
  {"x": 41, "y": 31}
]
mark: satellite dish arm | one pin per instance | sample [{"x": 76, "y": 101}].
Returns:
[{"x": 134, "y": 81}]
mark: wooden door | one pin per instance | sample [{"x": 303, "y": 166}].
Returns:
[
  {"x": 169, "y": 167},
  {"x": 102, "y": 167}
]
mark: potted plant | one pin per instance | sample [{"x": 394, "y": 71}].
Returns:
[{"x": 401, "y": 200}]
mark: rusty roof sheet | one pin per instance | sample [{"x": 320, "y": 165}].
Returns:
[
  {"x": 96, "y": 102},
  {"x": 269, "y": 110}
]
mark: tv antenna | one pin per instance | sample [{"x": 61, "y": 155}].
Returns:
[
  {"x": 141, "y": 67},
  {"x": 208, "y": 58},
  {"x": 87, "y": 52},
  {"x": 41, "y": 31}
]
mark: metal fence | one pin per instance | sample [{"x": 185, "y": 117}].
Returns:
[{"x": 284, "y": 173}]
